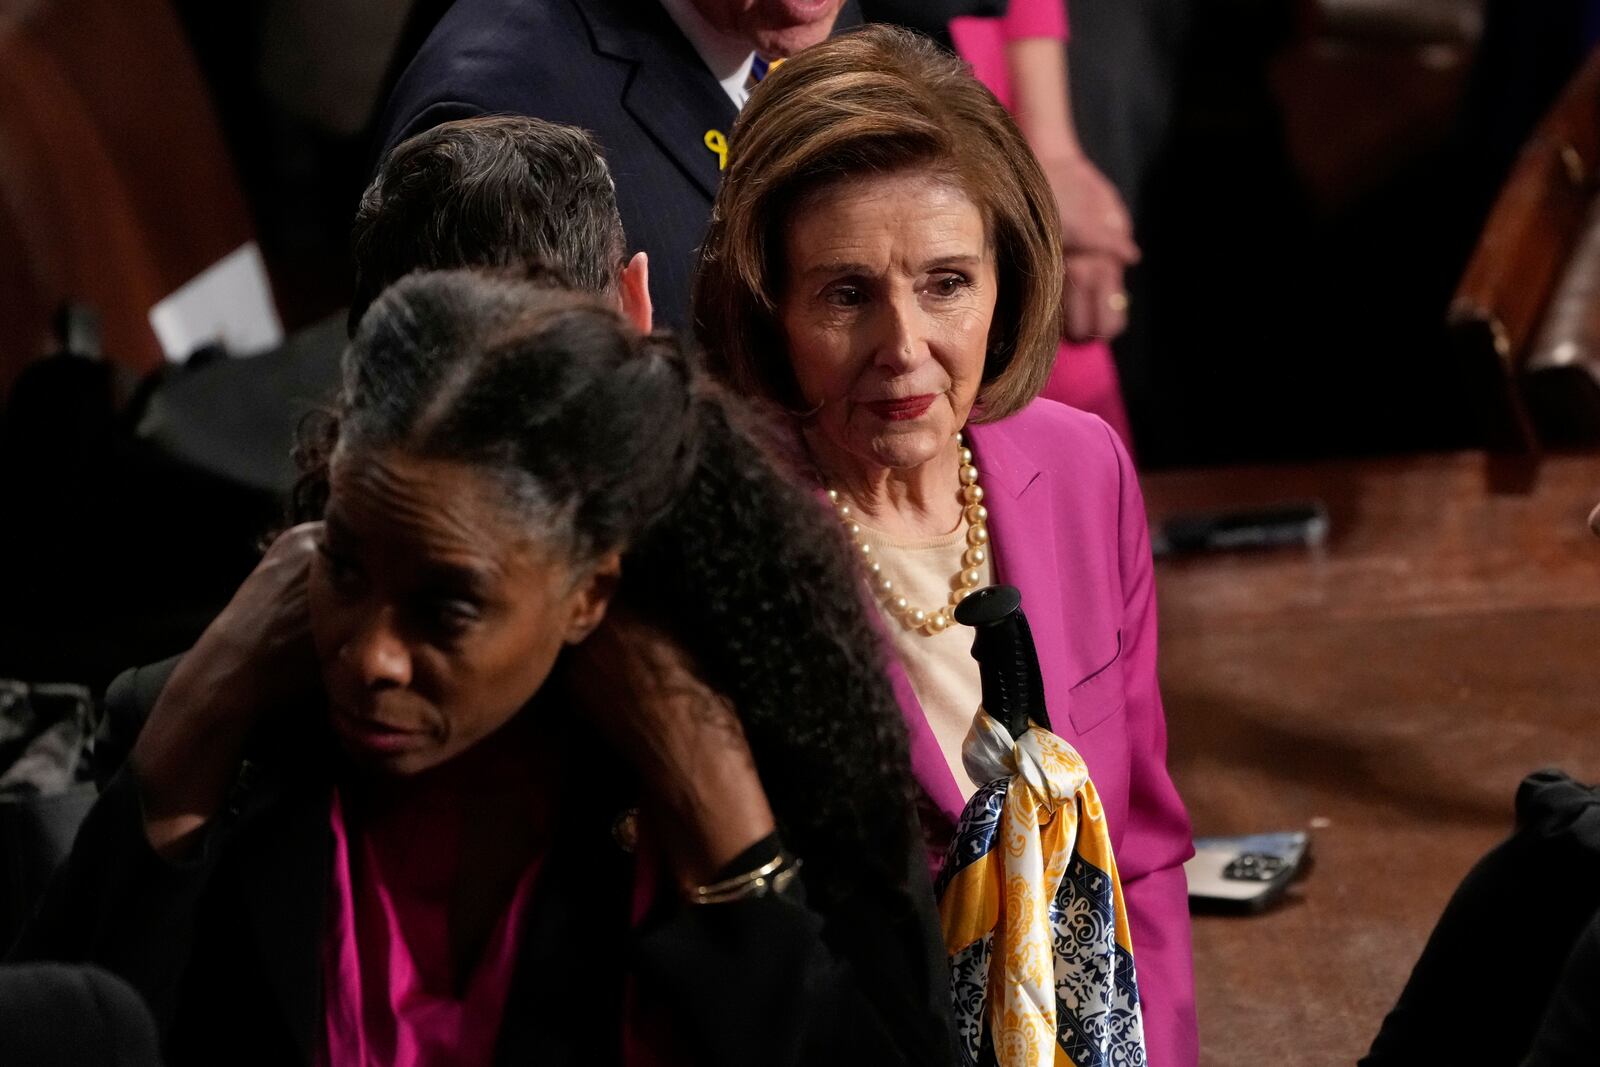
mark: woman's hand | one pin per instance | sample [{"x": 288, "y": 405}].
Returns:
[
  {"x": 1096, "y": 230},
  {"x": 1093, "y": 302},
  {"x": 1097, "y": 237},
  {"x": 255, "y": 656},
  {"x": 701, "y": 787},
  {"x": 1093, "y": 216}
]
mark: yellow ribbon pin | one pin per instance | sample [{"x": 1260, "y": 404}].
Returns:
[{"x": 718, "y": 143}]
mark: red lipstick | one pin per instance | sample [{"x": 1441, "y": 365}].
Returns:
[{"x": 909, "y": 407}]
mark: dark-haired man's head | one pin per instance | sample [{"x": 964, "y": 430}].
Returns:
[{"x": 498, "y": 191}]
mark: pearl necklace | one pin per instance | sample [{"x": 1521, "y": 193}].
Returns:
[{"x": 937, "y": 620}]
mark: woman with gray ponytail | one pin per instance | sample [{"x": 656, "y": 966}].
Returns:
[{"x": 557, "y": 734}]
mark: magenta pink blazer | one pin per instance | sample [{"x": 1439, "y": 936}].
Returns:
[{"x": 1067, "y": 522}]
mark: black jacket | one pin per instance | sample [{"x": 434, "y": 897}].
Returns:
[
  {"x": 1569, "y": 1033},
  {"x": 620, "y": 69},
  {"x": 225, "y": 946},
  {"x": 1489, "y": 987}
]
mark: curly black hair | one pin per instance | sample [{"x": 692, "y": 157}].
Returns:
[{"x": 607, "y": 440}]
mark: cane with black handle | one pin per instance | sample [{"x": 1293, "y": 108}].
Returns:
[{"x": 1008, "y": 663}]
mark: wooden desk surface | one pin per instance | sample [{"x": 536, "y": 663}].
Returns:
[{"x": 1390, "y": 689}]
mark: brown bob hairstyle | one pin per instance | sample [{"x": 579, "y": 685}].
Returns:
[{"x": 876, "y": 100}]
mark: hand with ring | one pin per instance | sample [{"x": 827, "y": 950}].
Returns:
[
  {"x": 1093, "y": 302},
  {"x": 1096, "y": 235}
]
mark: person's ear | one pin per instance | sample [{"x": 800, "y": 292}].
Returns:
[
  {"x": 586, "y": 606},
  {"x": 633, "y": 291}
]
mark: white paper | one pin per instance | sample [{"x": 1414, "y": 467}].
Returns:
[{"x": 229, "y": 303}]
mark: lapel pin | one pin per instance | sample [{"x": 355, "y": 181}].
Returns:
[{"x": 717, "y": 141}]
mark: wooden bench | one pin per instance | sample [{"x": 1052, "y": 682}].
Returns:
[{"x": 1538, "y": 224}]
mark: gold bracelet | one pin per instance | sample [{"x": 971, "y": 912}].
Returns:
[{"x": 774, "y": 876}]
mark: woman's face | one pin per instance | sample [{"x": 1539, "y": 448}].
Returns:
[
  {"x": 888, "y": 296},
  {"x": 435, "y": 616}
]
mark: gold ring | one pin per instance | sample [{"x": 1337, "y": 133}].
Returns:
[{"x": 1117, "y": 302}]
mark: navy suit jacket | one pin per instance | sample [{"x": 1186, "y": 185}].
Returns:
[{"x": 620, "y": 69}]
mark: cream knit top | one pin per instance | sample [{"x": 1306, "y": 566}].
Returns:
[{"x": 940, "y": 666}]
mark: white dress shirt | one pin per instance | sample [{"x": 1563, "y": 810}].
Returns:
[{"x": 727, "y": 57}]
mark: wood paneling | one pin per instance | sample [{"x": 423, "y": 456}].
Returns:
[
  {"x": 1536, "y": 224},
  {"x": 1537, "y": 219}
]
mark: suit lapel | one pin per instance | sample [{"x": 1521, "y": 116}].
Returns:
[
  {"x": 670, "y": 93},
  {"x": 1022, "y": 529}
]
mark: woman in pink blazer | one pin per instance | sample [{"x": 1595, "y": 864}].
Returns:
[
  {"x": 884, "y": 263},
  {"x": 1067, "y": 523}
]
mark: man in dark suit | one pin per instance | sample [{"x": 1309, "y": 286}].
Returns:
[{"x": 659, "y": 83}]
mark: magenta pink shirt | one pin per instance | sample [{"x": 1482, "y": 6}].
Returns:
[
  {"x": 388, "y": 995},
  {"x": 389, "y": 1000}
]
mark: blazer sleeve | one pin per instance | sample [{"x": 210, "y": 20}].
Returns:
[
  {"x": 115, "y": 902},
  {"x": 866, "y": 985},
  {"x": 1158, "y": 838}
]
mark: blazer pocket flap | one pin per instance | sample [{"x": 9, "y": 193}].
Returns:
[{"x": 1100, "y": 694}]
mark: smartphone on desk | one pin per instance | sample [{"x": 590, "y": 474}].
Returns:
[
  {"x": 1246, "y": 873},
  {"x": 1272, "y": 526}
]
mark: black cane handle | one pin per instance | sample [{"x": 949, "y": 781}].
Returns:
[{"x": 1008, "y": 663}]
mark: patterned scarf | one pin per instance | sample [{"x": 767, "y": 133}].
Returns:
[{"x": 1041, "y": 961}]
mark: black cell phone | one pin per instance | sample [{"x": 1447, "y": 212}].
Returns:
[{"x": 1299, "y": 523}]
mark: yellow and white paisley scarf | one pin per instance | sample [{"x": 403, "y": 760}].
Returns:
[{"x": 1041, "y": 961}]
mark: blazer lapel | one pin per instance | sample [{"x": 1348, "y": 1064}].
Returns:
[
  {"x": 670, "y": 94},
  {"x": 928, "y": 764},
  {"x": 285, "y": 877},
  {"x": 1022, "y": 531},
  {"x": 564, "y": 1007}
]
